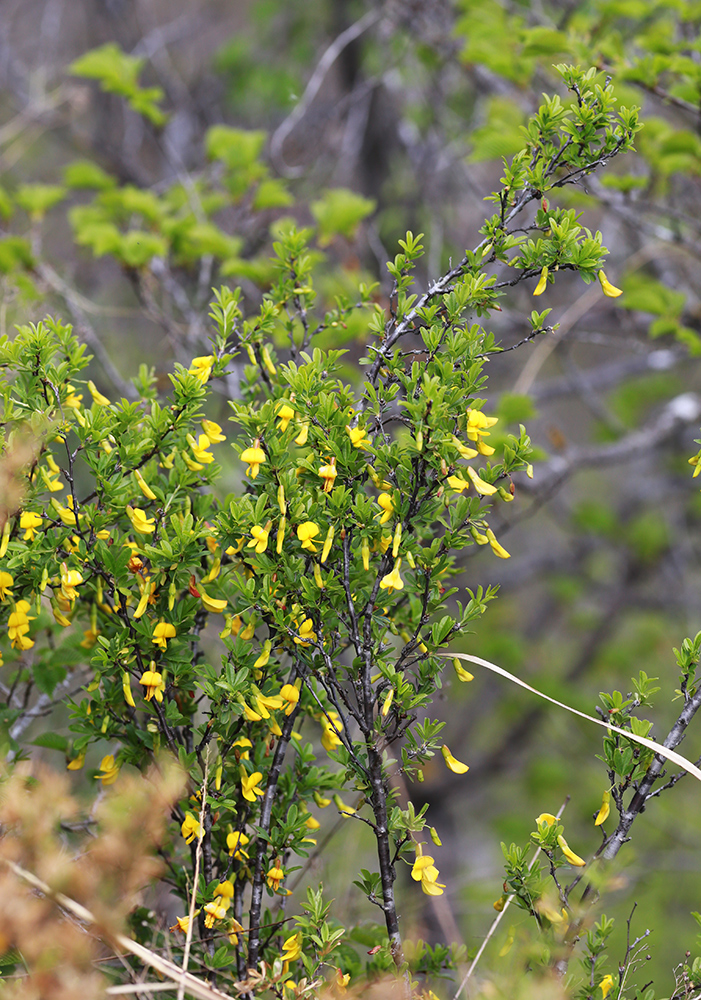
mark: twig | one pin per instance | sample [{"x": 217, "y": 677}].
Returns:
[
  {"x": 196, "y": 877},
  {"x": 317, "y": 78}
]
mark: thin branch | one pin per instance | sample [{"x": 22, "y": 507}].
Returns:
[
  {"x": 196, "y": 876},
  {"x": 312, "y": 89}
]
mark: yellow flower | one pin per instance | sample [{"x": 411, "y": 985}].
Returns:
[
  {"x": 497, "y": 549},
  {"x": 254, "y": 457},
  {"x": 266, "y": 701},
  {"x": 97, "y": 396},
  {"x": 267, "y": 360},
  {"x": 202, "y": 367},
  {"x": 70, "y": 579},
  {"x": 540, "y": 287},
  {"x": 51, "y": 482},
  {"x": 212, "y": 604},
  {"x": 547, "y": 818},
  {"x": 393, "y": 581},
  {"x": 342, "y": 980},
  {"x": 611, "y": 291},
  {"x": 225, "y": 889},
  {"x": 385, "y": 501},
  {"x": 213, "y": 431},
  {"x": 478, "y": 424},
  {"x": 191, "y": 464},
  {"x": 6, "y": 584},
  {"x": 249, "y": 630},
  {"x": 328, "y": 542},
  {"x": 89, "y": 638},
  {"x": 285, "y": 414},
  {"x": 144, "y": 486},
  {"x": 305, "y": 533},
  {"x": 18, "y": 626},
  {"x": 236, "y": 843},
  {"x": 328, "y": 473},
  {"x": 464, "y": 451},
  {"x": 306, "y": 632},
  {"x": 250, "y": 785},
  {"x": 60, "y": 618},
  {"x": 141, "y": 523},
  {"x": 574, "y": 859},
  {"x": 425, "y": 872},
  {"x": 260, "y": 534},
  {"x": 126, "y": 688},
  {"x": 199, "y": 448},
  {"x": 458, "y": 484},
  {"x": 67, "y": 513},
  {"x": 109, "y": 769},
  {"x": 344, "y": 809},
  {"x": 29, "y": 522},
  {"x": 233, "y": 930},
  {"x": 321, "y": 801},
  {"x": 264, "y": 656},
  {"x": 455, "y": 765},
  {"x": 356, "y": 434},
  {"x": 216, "y": 910},
  {"x": 274, "y": 876},
  {"x": 463, "y": 675},
  {"x": 161, "y": 633},
  {"x": 606, "y": 984},
  {"x": 387, "y": 703},
  {"x": 431, "y": 886},
  {"x": 182, "y": 923},
  {"x": 290, "y": 696},
  {"x": 152, "y": 680},
  {"x": 292, "y": 948},
  {"x": 365, "y": 553},
  {"x": 72, "y": 400},
  {"x": 331, "y": 727},
  {"x": 191, "y": 828},
  {"x": 484, "y": 489},
  {"x": 301, "y": 438},
  {"x": 77, "y": 762},
  {"x": 605, "y": 809}
]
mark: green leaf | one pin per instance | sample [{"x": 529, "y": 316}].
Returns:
[
  {"x": 15, "y": 254},
  {"x": 52, "y": 741},
  {"x": 339, "y": 212},
  {"x": 117, "y": 73},
  {"x": 37, "y": 199},
  {"x": 272, "y": 193},
  {"x": 545, "y": 42},
  {"x": 647, "y": 295},
  {"x": 86, "y": 174}
]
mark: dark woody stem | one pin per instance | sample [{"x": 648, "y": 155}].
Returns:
[{"x": 378, "y": 800}]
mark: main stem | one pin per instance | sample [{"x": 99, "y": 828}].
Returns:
[{"x": 378, "y": 800}]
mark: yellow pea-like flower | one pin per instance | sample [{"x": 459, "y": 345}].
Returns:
[
  {"x": 542, "y": 283},
  {"x": 605, "y": 809}
]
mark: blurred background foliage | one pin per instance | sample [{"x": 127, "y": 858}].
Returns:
[{"x": 132, "y": 182}]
